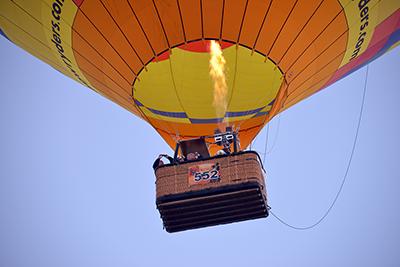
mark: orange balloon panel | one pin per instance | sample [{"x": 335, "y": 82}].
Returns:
[{"x": 152, "y": 57}]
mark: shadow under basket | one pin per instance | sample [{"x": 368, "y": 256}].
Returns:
[{"x": 217, "y": 190}]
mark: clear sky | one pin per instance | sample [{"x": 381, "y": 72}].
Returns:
[{"x": 77, "y": 187}]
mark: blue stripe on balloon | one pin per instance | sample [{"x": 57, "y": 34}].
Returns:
[
  {"x": 169, "y": 114},
  {"x": 2, "y": 33},
  {"x": 203, "y": 121},
  {"x": 138, "y": 103},
  {"x": 242, "y": 113}
]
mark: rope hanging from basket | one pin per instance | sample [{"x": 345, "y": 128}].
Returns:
[{"x": 345, "y": 174}]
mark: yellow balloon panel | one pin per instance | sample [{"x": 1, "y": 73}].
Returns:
[{"x": 179, "y": 86}]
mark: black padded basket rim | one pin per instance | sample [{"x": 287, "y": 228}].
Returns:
[{"x": 208, "y": 192}]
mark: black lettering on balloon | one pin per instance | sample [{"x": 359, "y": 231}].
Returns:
[
  {"x": 363, "y": 7},
  {"x": 56, "y": 37}
]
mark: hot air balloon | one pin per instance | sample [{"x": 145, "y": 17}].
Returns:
[{"x": 152, "y": 58}]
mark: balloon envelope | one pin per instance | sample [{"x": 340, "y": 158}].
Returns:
[{"x": 152, "y": 57}]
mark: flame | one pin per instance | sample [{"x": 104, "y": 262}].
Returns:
[{"x": 217, "y": 73}]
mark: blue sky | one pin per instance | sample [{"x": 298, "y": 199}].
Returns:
[{"x": 77, "y": 187}]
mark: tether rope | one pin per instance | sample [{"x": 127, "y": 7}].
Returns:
[
  {"x": 345, "y": 174},
  {"x": 276, "y": 135},
  {"x": 266, "y": 143}
]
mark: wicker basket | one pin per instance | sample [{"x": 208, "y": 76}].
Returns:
[{"x": 236, "y": 193}]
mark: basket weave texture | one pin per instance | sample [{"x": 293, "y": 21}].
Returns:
[{"x": 234, "y": 169}]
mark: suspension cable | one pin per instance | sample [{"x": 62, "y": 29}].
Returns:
[
  {"x": 266, "y": 143},
  {"x": 276, "y": 135},
  {"x": 344, "y": 176}
]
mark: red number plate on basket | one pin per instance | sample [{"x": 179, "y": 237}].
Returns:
[{"x": 204, "y": 173}]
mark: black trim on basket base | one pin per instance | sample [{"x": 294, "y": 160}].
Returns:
[{"x": 212, "y": 206}]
